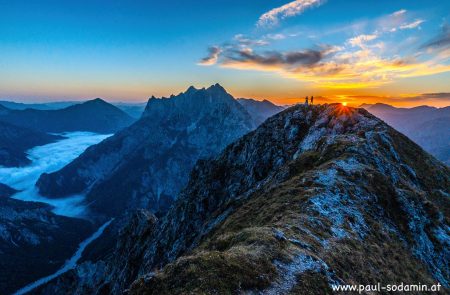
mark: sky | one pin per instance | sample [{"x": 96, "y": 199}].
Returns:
[{"x": 395, "y": 52}]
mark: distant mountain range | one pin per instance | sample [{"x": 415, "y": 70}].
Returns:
[
  {"x": 146, "y": 164},
  {"x": 94, "y": 115},
  {"x": 316, "y": 196},
  {"x": 427, "y": 126},
  {"x": 37, "y": 106},
  {"x": 260, "y": 110},
  {"x": 133, "y": 109},
  {"x": 15, "y": 141}
]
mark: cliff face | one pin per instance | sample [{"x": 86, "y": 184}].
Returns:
[
  {"x": 146, "y": 165},
  {"x": 316, "y": 196}
]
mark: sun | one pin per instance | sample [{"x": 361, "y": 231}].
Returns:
[{"x": 344, "y": 103}]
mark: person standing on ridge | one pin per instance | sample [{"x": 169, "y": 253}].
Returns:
[
  {"x": 306, "y": 100},
  {"x": 312, "y": 99}
]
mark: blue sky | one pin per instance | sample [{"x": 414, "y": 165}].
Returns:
[{"x": 281, "y": 50}]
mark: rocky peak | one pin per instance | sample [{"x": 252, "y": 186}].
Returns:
[{"x": 196, "y": 103}]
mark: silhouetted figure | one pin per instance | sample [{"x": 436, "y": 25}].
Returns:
[
  {"x": 312, "y": 99},
  {"x": 306, "y": 100}
]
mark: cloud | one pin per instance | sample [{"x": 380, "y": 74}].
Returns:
[
  {"x": 276, "y": 36},
  {"x": 213, "y": 55},
  {"x": 445, "y": 96},
  {"x": 291, "y": 9},
  {"x": 243, "y": 40},
  {"x": 441, "y": 41},
  {"x": 410, "y": 99},
  {"x": 364, "y": 61},
  {"x": 361, "y": 40},
  {"x": 399, "y": 13},
  {"x": 49, "y": 158},
  {"x": 412, "y": 25},
  {"x": 247, "y": 58}
]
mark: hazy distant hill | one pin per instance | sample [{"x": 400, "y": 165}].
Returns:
[
  {"x": 427, "y": 126},
  {"x": 37, "y": 106},
  {"x": 15, "y": 141},
  {"x": 135, "y": 110},
  {"x": 94, "y": 115},
  {"x": 260, "y": 110}
]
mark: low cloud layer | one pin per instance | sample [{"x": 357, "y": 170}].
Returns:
[{"x": 49, "y": 158}]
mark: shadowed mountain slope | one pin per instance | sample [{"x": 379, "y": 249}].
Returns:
[{"x": 15, "y": 141}]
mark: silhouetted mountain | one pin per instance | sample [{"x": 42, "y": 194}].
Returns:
[
  {"x": 93, "y": 115},
  {"x": 427, "y": 126},
  {"x": 260, "y": 110},
  {"x": 15, "y": 141},
  {"x": 4, "y": 110},
  {"x": 135, "y": 110},
  {"x": 34, "y": 242},
  {"x": 316, "y": 196},
  {"x": 146, "y": 164},
  {"x": 38, "y": 106},
  {"x": 6, "y": 191}
]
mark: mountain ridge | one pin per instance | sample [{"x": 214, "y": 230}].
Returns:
[
  {"x": 94, "y": 115},
  {"x": 336, "y": 189}
]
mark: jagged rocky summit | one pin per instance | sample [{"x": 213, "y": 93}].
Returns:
[
  {"x": 314, "y": 197},
  {"x": 146, "y": 164}
]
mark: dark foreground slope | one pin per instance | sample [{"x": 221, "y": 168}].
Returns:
[
  {"x": 146, "y": 165},
  {"x": 34, "y": 242},
  {"x": 15, "y": 141},
  {"x": 94, "y": 115},
  {"x": 315, "y": 196}
]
